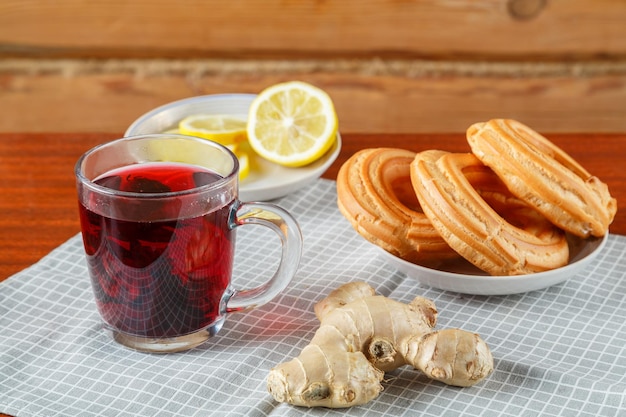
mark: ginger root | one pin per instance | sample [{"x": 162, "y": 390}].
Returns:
[{"x": 363, "y": 335}]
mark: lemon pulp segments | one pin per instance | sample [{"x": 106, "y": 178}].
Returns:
[
  {"x": 292, "y": 124},
  {"x": 224, "y": 129}
]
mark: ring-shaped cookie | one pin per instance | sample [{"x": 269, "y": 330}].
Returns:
[
  {"x": 518, "y": 240},
  {"x": 543, "y": 175},
  {"x": 375, "y": 194}
]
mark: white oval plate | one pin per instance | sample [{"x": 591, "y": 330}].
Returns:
[
  {"x": 463, "y": 277},
  {"x": 266, "y": 180}
]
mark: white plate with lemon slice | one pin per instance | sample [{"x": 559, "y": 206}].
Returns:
[{"x": 266, "y": 180}]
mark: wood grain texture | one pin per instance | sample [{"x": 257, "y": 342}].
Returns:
[
  {"x": 370, "y": 95},
  {"x": 38, "y": 200},
  {"x": 391, "y": 66},
  {"x": 235, "y": 28}
]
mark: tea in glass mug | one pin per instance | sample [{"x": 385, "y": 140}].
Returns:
[{"x": 158, "y": 217}]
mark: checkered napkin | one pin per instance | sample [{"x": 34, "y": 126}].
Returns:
[{"x": 560, "y": 351}]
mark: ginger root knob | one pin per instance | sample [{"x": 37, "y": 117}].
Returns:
[{"x": 361, "y": 336}]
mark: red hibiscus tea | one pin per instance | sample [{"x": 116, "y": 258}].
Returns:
[
  {"x": 158, "y": 217},
  {"x": 161, "y": 278}
]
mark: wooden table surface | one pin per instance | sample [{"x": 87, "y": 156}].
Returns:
[{"x": 38, "y": 208}]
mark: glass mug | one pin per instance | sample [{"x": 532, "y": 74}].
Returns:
[{"x": 158, "y": 215}]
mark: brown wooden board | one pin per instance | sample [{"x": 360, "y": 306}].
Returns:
[{"x": 428, "y": 28}]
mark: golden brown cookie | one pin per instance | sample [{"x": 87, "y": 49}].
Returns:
[
  {"x": 478, "y": 217},
  {"x": 375, "y": 194},
  {"x": 543, "y": 175}
]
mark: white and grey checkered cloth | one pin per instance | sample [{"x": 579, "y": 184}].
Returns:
[{"x": 558, "y": 352}]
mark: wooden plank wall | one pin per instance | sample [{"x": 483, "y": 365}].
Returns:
[{"x": 390, "y": 65}]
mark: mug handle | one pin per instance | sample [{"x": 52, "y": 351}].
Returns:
[{"x": 286, "y": 227}]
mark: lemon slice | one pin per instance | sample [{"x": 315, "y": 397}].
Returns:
[
  {"x": 292, "y": 123},
  {"x": 221, "y": 128},
  {"x": 181, "y": 154},
  {"x": 244, "y": 164}
]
